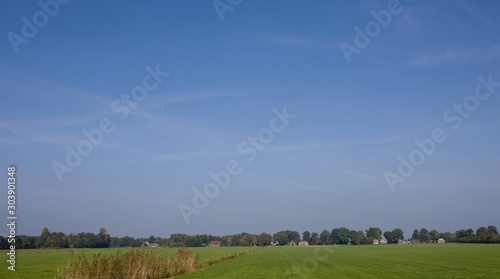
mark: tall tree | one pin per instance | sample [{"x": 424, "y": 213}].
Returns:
[
  {"x": 282, "y": 238},
  {"x": 374, "y": 233},
  {"x": 3, "y": 243},
  {"x": 253, "y": 239},
  {"x": 465, "y": 235},
  {"x": 358, "y": 238},
  {"x": 314, "y": 239},
  {"x": 493, "y": 235},
  {"x": 415, "y": 236},
  {"x": 43, "y": 239},
  {"x": 434, "y": 235},
  {"x": 394, "y": 236},
  {"x": 151, "y": 238},
  {"x": 192, "y": 241},
  {"x": 324, "y": 237},
  {"x": 448, "y": 236},
  {"x": 492, "y": 230},
  {"x": 264, "y": 239},
  {"x": 306, "y": 236},
  {"x": 104, "y": 238},
  {"x": 424, "y": 235},
  {"x": 294, "y": 236},
  {"x": 340, "y": 236},
  {"x": 227, "y": 240}
]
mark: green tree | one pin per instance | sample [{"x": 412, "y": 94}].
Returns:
[
  {"x": 314, "y": 239},
  {"x": 294, "y": 235},
  {"x": 253, "y": 239},
  {"x": 25, "y": 242},
  {"x": 394, "y": 236},
  {"x": 4, "y": 243},
  {"x": 324, "y": 237},
  {"x": 192, "y": 241},
  {"x": 41, "y": 241},
  {"x": 235, "y": 240},
  {"x": 434, "y": 235},
  {"x": 175, "y": 240},
  {"x": 151, "y": 239},
  {"x": 135, "y": 243},
  {"x": 448, "y": 236},
  {"x": 306, "y": 236},
  {"x": 374, "y": 233},
  {"x": 334, "y": 236},
  {"x": 358, "y": 238},
  {"x": 340, "y": 236},
  {"x": 104, "y": 239},
  {"x": 264, "y": 239},
  {"x": 282, "y": 238},
  {"x": 465, "y": 235},
  {"x": 227, "y": 240},
  {"x": 492, "y": 230},
  {"x": 493, "y": 235},
  {"x": 482, "y": 235},
  {"x": 415, "y": 236},
  {"x": 424, "y": 235}
]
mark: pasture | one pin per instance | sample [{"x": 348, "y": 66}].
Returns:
[
  {"x": 383, "y": 261},
  {"x": 42, "y": 263}
]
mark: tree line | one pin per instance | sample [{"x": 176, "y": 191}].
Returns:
[
  {"x": 59, "y": 240},
  {"x": 337, "y": 236}
]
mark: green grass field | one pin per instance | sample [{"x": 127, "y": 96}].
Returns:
[
  {"x": 43, "y": 263},
  {"x": 385, "y": 261}
]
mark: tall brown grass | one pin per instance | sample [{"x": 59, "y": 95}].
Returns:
[{"x": 130, "y": 265}]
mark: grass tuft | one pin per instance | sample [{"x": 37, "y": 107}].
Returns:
[{"x": 130, "y": 265}]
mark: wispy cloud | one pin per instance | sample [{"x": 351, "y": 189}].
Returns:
[
  {"x": 475, "y": 13},
  {"x": 464, "y": 55},
  {"x": 307, "y": 186},
  {"x": 302, "y": 42},
  {"x": 166, "y": 99},
  {"x": 21, "y": 132},
  {"x": 175, "y": 98},
  {"x": 42, "y": 121},
  {"x": 335, "y": 144},
  {"x": 350, "y": 172},
  {"x": 38, "y": 87},
  {"x": 67, "y": 121}
]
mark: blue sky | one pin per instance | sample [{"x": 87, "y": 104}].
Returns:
[{"x": 325, "y": 169}]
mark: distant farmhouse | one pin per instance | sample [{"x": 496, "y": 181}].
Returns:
[
  {"x": 381, "y": 241},
  {"x": 441, "y": 240},
  {"x": 149, "y": 245},
  {"x": 214, "y": 243},
  {"x": 303, "y": 243}
]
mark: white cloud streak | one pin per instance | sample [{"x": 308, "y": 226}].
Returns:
[{"x": 464, "y": 55}]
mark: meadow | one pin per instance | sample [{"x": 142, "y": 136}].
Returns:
[
  {"x": 383, "y": 261},
  {"x": 42, "y": 263}
]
